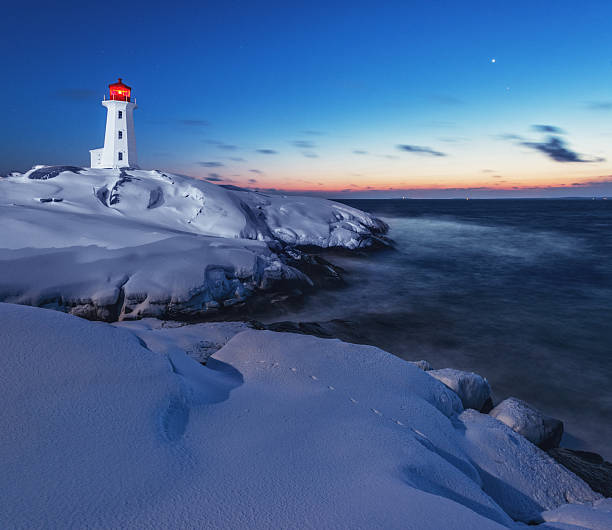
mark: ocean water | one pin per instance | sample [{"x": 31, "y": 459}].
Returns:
[{"x": 519, "y": 291}]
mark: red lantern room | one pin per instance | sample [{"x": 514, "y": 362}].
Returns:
[{"x": 119, "y": 91}]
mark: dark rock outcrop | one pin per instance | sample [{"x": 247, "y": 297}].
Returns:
[
  {"x": 590, "y": 467},
  {"x": 49, "y": 172}
]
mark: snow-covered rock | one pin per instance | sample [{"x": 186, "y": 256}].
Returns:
[
  {"x": 108, "y": 244},
  {"x": 423, "y": 365},
  {"x": 473, "y": 389},
  {"x": 539, "y": 429},
  {"x": 521, "y": 478},
  {"x": 596, "y": 516},
  {"x": 199, "y": 341},
  {"x": 278, "y": 430}
]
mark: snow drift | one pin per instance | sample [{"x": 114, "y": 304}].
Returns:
[
  {"x": 112, "y": 244},
  {"x": 100, "y": 429}
]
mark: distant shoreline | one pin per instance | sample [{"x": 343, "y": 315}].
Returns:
[{"x": 598, "y": 198}]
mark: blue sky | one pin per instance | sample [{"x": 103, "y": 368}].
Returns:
[{"x": 340, "y": 98}]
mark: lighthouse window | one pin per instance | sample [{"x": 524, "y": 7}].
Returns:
[
  {"x": 120, "y": 155},
  {"x": 120, "y": 114},
  {"x": 120, "y": 135}
]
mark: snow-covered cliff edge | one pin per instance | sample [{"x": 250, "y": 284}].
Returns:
[
  {"x": 113, "y": 244},
  {"x": 119, "y": 428}
]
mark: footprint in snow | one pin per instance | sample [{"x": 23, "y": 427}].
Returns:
[
  {"x": 376, "y": 412},
  {"x": 294, "y": 369},
  {"x": 331, "y": 387},
  {"x": 353, "y": 400},
  {"x": 314, "y": 377},
  {"x": 175, "y": 418}
]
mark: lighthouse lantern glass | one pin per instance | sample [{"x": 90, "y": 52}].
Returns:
[{"x": 119, "y": 91}]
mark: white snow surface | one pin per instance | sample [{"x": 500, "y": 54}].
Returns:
[
  {"x": 199, "y": 341},
  {"x": 520, "y": 477},
  {"x": 277, "y": 431},
  {"x": 109, "y": 244},
  {"x": 595, "y": 516}
]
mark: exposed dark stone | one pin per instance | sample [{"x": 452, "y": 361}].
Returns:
[
  {"x": 317, "y": 268},
  {"x": 590, "y": 467},
  {"x": 114, "y": 193},
  {"x": 555, "y": 427},
  {"x": 326, "y": 330},
  {"x": 102, "y": 195},
  {"x": 49, "y": 172},
  {"x": 488, "y": 406},
  {"x": 305, "y": 328},
  {"x": 156, "y": 198}
]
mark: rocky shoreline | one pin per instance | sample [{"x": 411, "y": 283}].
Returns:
[
  {"x": 475, "y": 393},
  {"x": 280, "y": 418},
  {"x": 227, "y": 253},
  {"x": 126, "y": 244}
]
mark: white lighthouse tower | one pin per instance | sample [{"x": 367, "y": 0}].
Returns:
[{"x": 119, "y": 140}]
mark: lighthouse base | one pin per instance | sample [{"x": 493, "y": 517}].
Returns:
[
  {"x": 96, "y": 157},
  {"x": 97, "y": 161}
]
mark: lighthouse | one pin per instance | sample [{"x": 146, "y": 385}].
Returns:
[{"x": 119, "y": 140}]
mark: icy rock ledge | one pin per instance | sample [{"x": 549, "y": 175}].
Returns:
[
  {"x": 123, "y": 244},
  {"x": 595, "y": 516},
  {"x": 539, "y": 429},
  {"x": 473, "y": 389}
]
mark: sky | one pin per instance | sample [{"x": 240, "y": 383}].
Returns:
[{"x": 343, "y": 99}]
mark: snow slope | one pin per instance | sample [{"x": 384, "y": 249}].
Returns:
[
  {"x": 277, "y": 431},
  {"x": 109, "y": 244}
]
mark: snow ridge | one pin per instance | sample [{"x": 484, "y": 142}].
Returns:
[
  {"x": 104, "y": 429},
  {"x": 113, "y": 244}
]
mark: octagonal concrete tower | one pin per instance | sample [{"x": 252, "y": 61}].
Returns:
[{"x": 120, "y": 139}]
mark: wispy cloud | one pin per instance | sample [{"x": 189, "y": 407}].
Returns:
[
  {"x": 256, "y": 171},
  {"x": 253, "y": 181},
  {"x": 600, "y": 105},
  {"x": 222, "y": 145},
  {"x": 359, "y": 152},
  {"x": 556, "y": 149},
  {"x": 214, "y": 177},
  {"x": 266, "y": 151},
  {"x": 237, "y": 159},
  {"x": 420, "y": 150},
  {"x": 210, "y": 164},
  {"x": 304, "y": 144},
  {"x": 548, "y": 129},
  {"x": 508, "y": 136}
]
